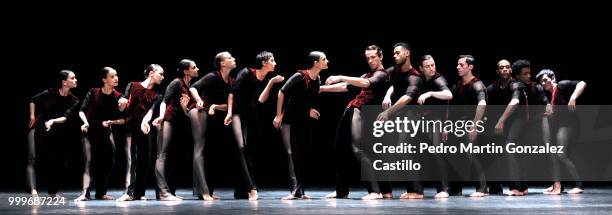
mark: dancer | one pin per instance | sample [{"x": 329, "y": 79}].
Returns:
[
  {"x": 564, "y": 120},
  {"x": 252, "y": 87},
  {"x": 301, "y": 92},
  {"x": 49, "y": 109},
  {"x": 373, "y": 85},
  {"x": 140, "y": 98}
]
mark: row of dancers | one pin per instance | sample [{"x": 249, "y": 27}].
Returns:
[{"x": 187, "y": 103}]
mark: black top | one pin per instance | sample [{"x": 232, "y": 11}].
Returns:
[
  {"x": 99, "y": 107},
  {"x": 140, "y": 101},
  {"x": 172, "y": 98},
  {"x": 213, "y": 89},
  {"x": 499, "y": 93},
  {"x": 50, "y": 105},
  {"x": 301, "y": 94},
  {"x": 404, "y": 83},
  {"x": 563, "y": 92},
  {"x": 470, "y": 93},
  {"x": 528, "y": 95},
  {"x": 246, "y": 90},
  {"x": 373, "y": 94},
  {"x": 435, "y": 84}
]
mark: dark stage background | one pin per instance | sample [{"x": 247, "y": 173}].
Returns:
[{"x": 43, "y": 41}]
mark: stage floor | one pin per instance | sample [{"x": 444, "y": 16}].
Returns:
[{"x": 593, "y": 201}]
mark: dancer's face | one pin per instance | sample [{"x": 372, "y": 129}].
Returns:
[
  {"x": 322, "y": 63},
  {"x": 228, "y": 61},
  {"x": 71, "y": 81},
  {"x": 503, "y": 69},
  {"x": 429, "y": 67},
  {"x": 270, "y": 64},
  {"x": 463, "y": 68},
  {"x": 192, "y": 71},
  {"x": 157, "y": 76},
  {"x": 111, "y": 79},
  {"x": 525, "y": 75},
  {"x": 547, "y": 82},
  {"x": 374, "y": 61},
  {"x": 400, "y": 55}
]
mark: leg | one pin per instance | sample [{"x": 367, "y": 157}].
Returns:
[
  {"x": 86, "y": 169},
  {"x": 356, "y": 132},
  {"x": 164, "y": 138},
  {"x": 240, "y": 130},
  {"x": 198, "y": 130},
  {"x": 31, "y": 167}
]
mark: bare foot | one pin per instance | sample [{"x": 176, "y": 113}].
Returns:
[
  {"x": 305, "y": 197},
  {"x": 125, "y": 197},
  {"x": 515, "y": 192},
  {"x": 441, "y": 195},
  {"x": 575, "y": 190},
  {"x": 411, "y": 196},
  {"x": 549, "y": 188},
  {"x": 216, "y": 197},
  {"x": 372, "y": 196},
  {"x": 334, "y": 195},
  {"x": 169, "y": 197},
  {"x": 388, "y": 195},
  {"x": 289, "y": 197},
  {"x": 207, "y": 197},
  {"x": 105, "y": 197},
  {"x": 34, "y": 193},
  {"x": 81, "y": 198},
  {"x": 253, "y": 195},
  {"x": 478, "y": 194}
]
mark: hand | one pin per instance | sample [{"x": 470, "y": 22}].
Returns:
[
  {"x": 32, "y": 121},
  {"x": 122, "y": 103},
  {"x": 472, "y": 134},
  {"x": 277, "y": 79},
  {"x": 106, "y": 123},
  {"x": 184, "y": 100},
  {"x": 332, "y": 80},
  {"x": 157, "y": 122},
  {"x": 499, "y": 128},
  {"x": 278, "y": 119},
  {"x": 444, "y": 136},
  {"x": 386, "y": 103},
  {"x": 572, "y": 105},
  {"x": 200, "y": 105},
  {"x": 423, "y": 97},
  {"x": 314, "y": 113},
  {"x": 228, "y": 119},
  {"x": 84, "y": 127},
  {"x": 144, "y": 127},
  {"x": 383, "y": 116},
  {"x": 211, "y": 109},
  {"x": 549, "y": 110},
  {"x": 48, "y": 124}
]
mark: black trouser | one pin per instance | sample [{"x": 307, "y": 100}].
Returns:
[
  {"x": 515, "y": 172},
  {"x": 563, "y": 136},
  {"x": 99, "y": 157},
  {"x": 240, "y": 127},
  {"x": 199, "y": 121},
  {"x": 52, "y": 156},
  {"x": 163, "y": 168},
  {"x": 138, "y": 149},
  {"x": 347, "y": 150},
  {"x": 293, "y": 136}
]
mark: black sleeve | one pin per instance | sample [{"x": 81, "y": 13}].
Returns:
[
  {"x": 481, "y": 93},
  {"x": 541, "y": 94},
  {"x": 379, "y": 77},
  {"x": 172, "y": 89},
  {"x": 241, "y": 78},
  {"x": 413, "y": 89},
  {"x": 156, "y": 103},
  {"x": 567, "y": 85},
  {"x": 126, "y": 93},
  {"x": 42, "y": 96},
  {"x": 204, "y": 82},
  {"x": 294, "y": 81},
  {"x": 87, "y": 100},
  {"x": 441, "y": 83},
  {"x": 315, "y": 102},
  {"x": 490, "y": 91},
  {"x": 73, "y": 108},
  {"x": 516, "y": 88}
]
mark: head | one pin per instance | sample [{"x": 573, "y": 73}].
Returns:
[
  {"x": 318, "y": 60},
  {"x": 109, "y": 76},
  {"x": 67, "y": 78},
  {"x": 547, "y": 78},
  {"x": 225, "y": 60},
  {"x": 373, "y": 54},
  {"x": 465, "y": 65},
  {"x": 187, "y": 68},
  {"x": 401, "y": 53},
  {"x": 155, "y": 73},
  {"x": 504, "y": 70},
  {"x": 265, "y": 60},
  {"x": 428, "y": 65},
  {"x": 521, "y": 70}
]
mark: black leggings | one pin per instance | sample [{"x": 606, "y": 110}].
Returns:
[
  {"x": 199, "y": 120},
  {"x": 99, "y": 158},
  {"x": 563, "y": 137},
  {"x": 240, "y": 128},
  {"x": 293, "y": 136},
  {"x": 347, "y": 149},
  {"x": 138, "y": 149},
  {"x": 49, "y": 156},
  {"x": 162, "y": 169},
  {"x": 516, "y": 176},
  {"x": 31, "y": 167}
]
